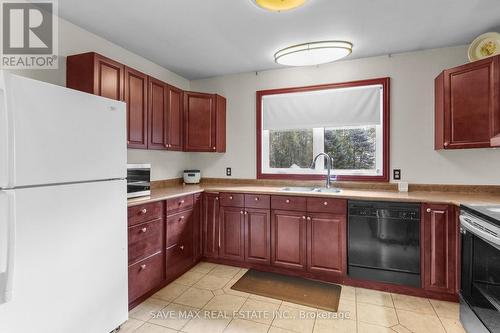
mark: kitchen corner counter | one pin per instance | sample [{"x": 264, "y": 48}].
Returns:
[{"x": 455, "y": 198}]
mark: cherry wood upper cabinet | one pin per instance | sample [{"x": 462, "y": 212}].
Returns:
[
  {"x": 174, "y": 118},
  {"x": 95, "y": 74},
  {"x": 439, "y": 248},
  {"x": 204, "y": 122},
  {"x": 326, "y": 244},
  {"x": 136, "y": 97},
  {"x": 467, "y": 111}
]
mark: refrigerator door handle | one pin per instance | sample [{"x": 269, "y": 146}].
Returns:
[
  {"x": 8, "y": 235},
  {"x": 6, "y": 138}
]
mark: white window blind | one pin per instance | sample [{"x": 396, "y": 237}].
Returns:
[{"x": 354, "y": 106}]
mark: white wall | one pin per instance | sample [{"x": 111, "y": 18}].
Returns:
[
  {"x": 74, "y": 40},
  {"x": 412, "y": 116}
]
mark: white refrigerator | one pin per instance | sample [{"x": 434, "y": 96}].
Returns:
[{"x": 63, "y": 223}]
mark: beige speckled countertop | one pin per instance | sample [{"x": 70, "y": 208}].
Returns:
[{"x": 455, "y": 198}]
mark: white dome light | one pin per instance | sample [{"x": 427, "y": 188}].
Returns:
[{"x": 315, "y": 53}]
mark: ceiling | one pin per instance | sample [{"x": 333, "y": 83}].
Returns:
[{"x": 205, "y": 38}]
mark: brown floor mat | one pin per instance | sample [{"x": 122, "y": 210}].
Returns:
[{"x": 297, "y": 290}]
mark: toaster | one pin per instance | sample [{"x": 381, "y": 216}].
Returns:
[{"x": 192, "y": 176}]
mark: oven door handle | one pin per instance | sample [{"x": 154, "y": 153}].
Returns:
[{"x": 468, "y": 224}]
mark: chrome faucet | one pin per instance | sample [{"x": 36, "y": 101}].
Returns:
[{"x": 329, "y": 166}]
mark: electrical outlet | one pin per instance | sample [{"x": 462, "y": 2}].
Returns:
[
  {"x": 228, "y": 171},
  {"x": 396, "y": 174}
]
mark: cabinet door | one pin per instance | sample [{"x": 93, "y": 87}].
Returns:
[
  {"x": 288, "y": 239},
  {"x": 157, "y": 115},
  {"x": 439, "y": 252},
  {"x": 197, "y": 227},
  {"x": 232, "y": 241},
  {"x": 108, "y": 78},
  {"x": 174, "y": 118},
  {"x": 326, "y": 244},
  {"x": 470, "y": 104},
  {"x": 211, "y": 225},
  {"x": 258, "y": 236},
  {"x": 199, "y": 122},
  {"x": 136, "y": 87}
]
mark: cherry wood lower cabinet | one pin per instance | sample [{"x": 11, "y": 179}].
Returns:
[
  {"x": 326, "y": 244},
  {"x": 257, "y": 235},
  {"x": 210, "y": 228},
  {"x": 232, "y": 236},
  {"x": 197, "y": 227},
  {"x": 439, "y": 248},
  {"x": 288, "y": 239}
]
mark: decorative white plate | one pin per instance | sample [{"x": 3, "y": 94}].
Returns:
[{"x": 485, "y": 46}]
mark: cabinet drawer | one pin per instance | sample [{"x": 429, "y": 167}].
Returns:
[
  {"x": 179, "y": 227},
  {"x": 144, "y": 276},
  {"x": 232, "y": 199},
  {"x": 143, "y": 213},
  {"x": 327, "y": 205},
  {"x": 179, "y": 204},
  {"x": 179, "y": 258},
  {"x": 288, "y": 203},
  {"x": 144, "y": 240},
  {"x": 258, "y": 201}
]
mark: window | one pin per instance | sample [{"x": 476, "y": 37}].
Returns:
[{"x": 347, "y": 121}]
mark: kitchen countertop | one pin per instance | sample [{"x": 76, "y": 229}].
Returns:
[{"x": 455, "y": 198}]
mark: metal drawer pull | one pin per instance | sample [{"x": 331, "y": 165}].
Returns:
[
  {"x": 143, "y": 267},
  {"x": 144, "y": 230},
  {"x": 144, "y": 211}
]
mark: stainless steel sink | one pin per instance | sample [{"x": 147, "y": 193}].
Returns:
[
  {"x": 298, "y": 189},
  {"x": 310, "y": 189}
]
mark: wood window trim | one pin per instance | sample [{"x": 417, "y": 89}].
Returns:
[{"x": 384, "y": 82}]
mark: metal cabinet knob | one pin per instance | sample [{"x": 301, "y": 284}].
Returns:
[
  {"x": 303, "y": 217},
  {"x": 182, "y": 218},
  {"x": 428, "y": 210},
  {"x": 241, "y": 212},
  {"x": 256, "y": 198},
  {"x": 217, "y": 198},
  {"x": 309, "y": 218},
  {"x": 181, "y": 202},
  {"x": 144, "y": 230},
  {"x": 144, "y": 211},
  {"x": 245, "y": 213},
  {"x": 230, "y": 197},
  {"x": 287, "y": 201},
  {"x": 143, "y": 267},
  {"x": 446, "y": 144},
  {"x": 213, "y": 148},
  {"x": 181, "y": 247},
  {"x": 325, "y": 203}
]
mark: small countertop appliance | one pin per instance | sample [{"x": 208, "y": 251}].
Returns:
[{"x": 192, "y": 176}]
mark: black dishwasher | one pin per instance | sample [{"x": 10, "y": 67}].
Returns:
[{"x": 384, "y": 242}]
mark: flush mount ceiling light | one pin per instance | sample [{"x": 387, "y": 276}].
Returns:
[
  {"x": 315, "y": 53},
  {"x": 279, "y": 5}
]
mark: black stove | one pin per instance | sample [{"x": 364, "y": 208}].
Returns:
[{"x": 489, "y": 212}]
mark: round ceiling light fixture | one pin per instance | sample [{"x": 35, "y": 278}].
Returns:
[
  {"x": 279, "y": 5},
  {"x": 315, "y": 53}
]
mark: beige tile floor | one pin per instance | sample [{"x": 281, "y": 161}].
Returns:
[{"x": 201, "y": 301}]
